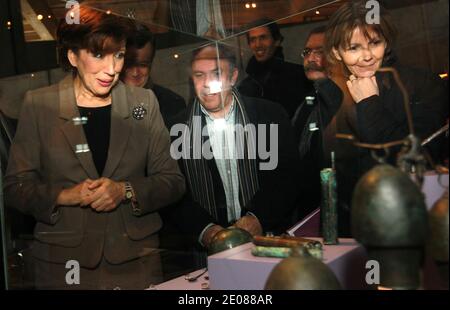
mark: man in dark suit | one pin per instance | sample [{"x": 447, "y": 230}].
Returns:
[
  {"x": 232, "y": 183},
  {"x": 138, "y": 64},
  {"x": 269, "y": 75}
]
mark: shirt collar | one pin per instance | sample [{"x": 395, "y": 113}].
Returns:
[{"x": 227, "y": 116}]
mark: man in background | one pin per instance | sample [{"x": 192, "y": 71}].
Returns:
[
  {"x": 229, "y": 189},
  {"x": 138, "y": 63},
  {"x": 269, "y": 75},
  {"x": 312, "y": 121}
]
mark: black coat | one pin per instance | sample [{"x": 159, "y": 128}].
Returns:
[
  {"x": 273, "y": 204},
  {"x": 276, "y": 80}
]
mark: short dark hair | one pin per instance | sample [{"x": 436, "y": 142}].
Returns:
[
  {"x": 352, "y": 15},
  {"x": 218, "y": 51},
  {"x": 317, "y": 30},
  {"x": 140, "y": 37},
  {"x": 97, "y": 32},
  {"x": 265, "y": 22}
]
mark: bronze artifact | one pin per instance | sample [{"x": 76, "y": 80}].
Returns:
[
  {"x": 281, "y": 246},
  {"x": 389, "y": 218},
  {"x": 228, "y": 238},
  {"x": 438, "y": 245},
  {"x": 328, "y": 206},
  {"x": 301, "y": 271},
  {"x": 271, "y": 251},
  {"x": 282, "y": 241},
  {"x": 282, "y": 252}
]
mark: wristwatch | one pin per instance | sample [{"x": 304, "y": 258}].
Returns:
[
  {"x": 129, "y": 193},
  {"x": 130, "y": 197}
]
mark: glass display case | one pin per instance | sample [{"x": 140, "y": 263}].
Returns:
[{"x": 181, "y": 31}]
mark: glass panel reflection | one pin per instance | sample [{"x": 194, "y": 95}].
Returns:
[{"x": 95, "y": 194}]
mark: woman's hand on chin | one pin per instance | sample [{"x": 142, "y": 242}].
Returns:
[{"x": 361, "y": 88}]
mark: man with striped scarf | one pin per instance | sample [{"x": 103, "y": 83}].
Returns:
[{"x": 237, "y": 154}]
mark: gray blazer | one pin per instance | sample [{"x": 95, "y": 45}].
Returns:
[{"x": 44, "y": 159}]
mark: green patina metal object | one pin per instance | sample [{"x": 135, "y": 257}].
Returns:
[
  {"x": 439, "y": 231},
  {"x": 282, "y": 252},
  {"x": 389, "y": 218},
  {"x": 388, "y": 209},
  {"x": 328, "y": 206},
  {"x": 301, "y": 271},
  {"x": 227, "y": 239},
  {"x": 271, "y": 251}
]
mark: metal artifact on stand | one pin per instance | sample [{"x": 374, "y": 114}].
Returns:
[
  {"x": 328, "y": 204},
  {"x": 389, "y": 218}
]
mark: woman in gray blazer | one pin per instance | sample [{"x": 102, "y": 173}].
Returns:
[{"x": 91, "y": 163}]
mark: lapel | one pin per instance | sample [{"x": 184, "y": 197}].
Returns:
[
  {"x": 120, "y": 128},
  {"x": 74, "y": 133}
]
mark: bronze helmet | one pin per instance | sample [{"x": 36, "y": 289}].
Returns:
[
  {"x": 389, "y": 218},
  {"x": 388, "y": 209},
  {"x": 228, "y": 238},
  {"x": 301, "y": 271}
]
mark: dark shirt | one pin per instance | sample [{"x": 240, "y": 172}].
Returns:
[{"x": 97, "y": 130}]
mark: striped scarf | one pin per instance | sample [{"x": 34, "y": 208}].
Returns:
[{"x": 196, "y": 167}]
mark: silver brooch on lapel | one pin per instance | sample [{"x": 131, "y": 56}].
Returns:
[{"x": 139, "y": 112}]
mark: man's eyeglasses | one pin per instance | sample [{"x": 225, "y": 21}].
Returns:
[{"x": 318, "y": 52}]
